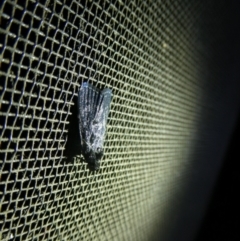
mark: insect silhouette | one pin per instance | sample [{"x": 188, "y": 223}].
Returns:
[{"x": 93, "y": 110}]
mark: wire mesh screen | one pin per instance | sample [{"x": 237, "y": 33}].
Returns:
[{"x": 148, "y": 53}]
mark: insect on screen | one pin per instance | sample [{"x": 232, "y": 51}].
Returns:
[
  {"x": 156, "y": 58},
  {"x": 93, "y": 110}
]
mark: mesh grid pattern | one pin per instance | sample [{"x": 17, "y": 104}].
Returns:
[{"x": 146, "y": 52}]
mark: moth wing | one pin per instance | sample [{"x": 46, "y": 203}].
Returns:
[
  {"x": 100, "y": 121},
  {"x": 88, "y": 97}
]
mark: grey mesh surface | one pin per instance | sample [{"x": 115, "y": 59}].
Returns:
[{"x": 157, "y": 61}]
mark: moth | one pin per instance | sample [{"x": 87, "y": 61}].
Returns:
[{"x": 93, "y": 110}]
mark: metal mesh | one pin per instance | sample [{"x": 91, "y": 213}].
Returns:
[{"x": 149, "y": 54}]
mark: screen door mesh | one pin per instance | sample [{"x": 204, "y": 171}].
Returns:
[{"x": 150, "y": 54}]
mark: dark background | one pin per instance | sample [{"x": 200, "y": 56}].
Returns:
[{"x": 221, "y": 220}]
